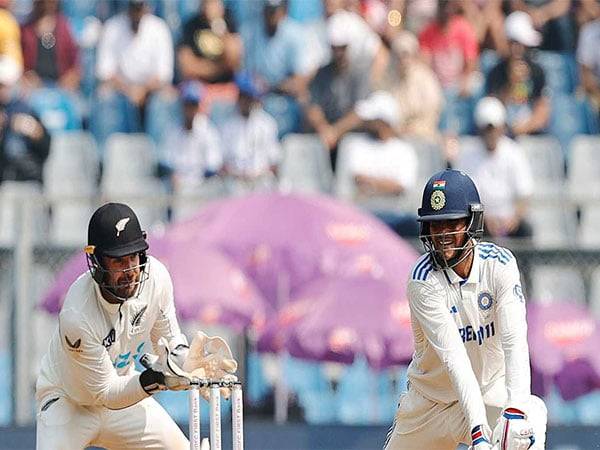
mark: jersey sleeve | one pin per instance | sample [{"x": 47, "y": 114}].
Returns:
[
  {"x": 166, "y": 324},
  {"x": 427, "y": 306},
  {"x": 512, "y": 325},
  {"x": 89, "y": 370}
]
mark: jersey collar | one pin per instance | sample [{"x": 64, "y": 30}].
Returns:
[
  {"x": 110, "y": 308},
  {"x": 454, "y": 278}
]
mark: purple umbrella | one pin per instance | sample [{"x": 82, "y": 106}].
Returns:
[
  {"x": 336, "y": 319},
  {"x": 563, "y": 339},
  {"x": 282, "y": 242},
  {"x": 207, "y": 285}
]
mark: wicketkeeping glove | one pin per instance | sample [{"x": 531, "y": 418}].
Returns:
[
  {"x": 211, "y": 358},
  {"x": 163, "y": 371},
  {"x": 513, "y": 431}
]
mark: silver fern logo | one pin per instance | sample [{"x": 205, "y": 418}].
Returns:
[{"x": 120, "y": 226}]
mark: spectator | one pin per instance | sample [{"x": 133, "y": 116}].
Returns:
[
  {"x": 487, "y": 18},
  {"x": 378, "y": 165},
  {"x": 211, "y": 50},
  {"x": 416, "y": 89},
  {"x": 286, "y": 56},
  {"x": 449, "y": 45},
  {"x": 135, "y": 54},
  {"x": 518, "y": 81},
  {"x": 24, "y": 142},
  {"x": 554, "y": 18},
  {"x": 192, "y": 151},
  {"x": 50, "y": 53},
  {"x": 499, "y": 168},
  {"x": 10, "y": 34},
  {"x": 252, "y": 150},
  {"x": 334, "y": 91},
  {"x": 366, "y": 51},
  {"x": 588, "y": 58}
]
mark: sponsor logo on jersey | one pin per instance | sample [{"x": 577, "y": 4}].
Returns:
[
  {"x": 454, "y": 309},
  {"x": 470, "y": 334},
  {"x": 109, "y": 339},
  {"x": 485, "y": 301},
  {"x": 73, "y": 346}
]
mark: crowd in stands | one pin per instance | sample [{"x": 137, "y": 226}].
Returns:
[{"x": 384, "y": 91}]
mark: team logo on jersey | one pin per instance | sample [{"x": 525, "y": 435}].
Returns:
[
  {"x": 136, "y": 319},
  {"x": 120, "y": 225},
  {"x": 109, "y": 339},
  {"x": 73, "y": 346},
  {"x": 485, "y": 301},
  {"x": 438, "y": 200},
  {"x": 518, "y": 291}
]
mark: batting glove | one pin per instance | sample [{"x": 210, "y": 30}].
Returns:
[
  {"x": 513, "y": 431},
  {"x": 479, "y": 438}
]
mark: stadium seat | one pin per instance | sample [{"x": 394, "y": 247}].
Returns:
[
  {"x": 257, "y": 387},
  {"x": 111, "y": 113},
  {"x": 286, "y": 112},
  {"x": 560, "y": 70},
  {"x": 220, "y": 111},
  {"x": 568, "y": 118},
  {"x": 128, "y": 157},
  {"x": 554, "y": 223},
  {"x": 162, "y": 112},
  {"x": 550, "y": 283},
  {"x": 305, "y": 166},
  {"x": 15, "y": 196},
  {"x": 595, "y": 292},
  {"x": 70, "y": 184},
  {"x": 56, "y": 109},
  {"x": 457, "y": 115},
  {"x": 583, "y": 170},
  {"x": 588, "y": 227},
  {"x": 547, "y": 163}
]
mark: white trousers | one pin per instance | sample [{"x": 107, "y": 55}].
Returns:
[
  {"x": 64, "y": 425},
  {"x": 423, "y": 424}
]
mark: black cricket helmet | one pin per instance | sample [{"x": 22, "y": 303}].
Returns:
[{"x": 114, "y": 231}]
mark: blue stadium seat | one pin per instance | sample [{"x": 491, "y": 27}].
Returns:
[
  {"x": 162, "y": 113},
  {"x": 56, "y": 108},
  {"x": 457, "y": 115},
  {"x": 560, "y": 70},
  {"x": 6, "y": 391},
  {"x": 487, "y": 61},
  {"x": 569, "y": 117},
  {"x": 304, "y": 376},
  {"x": 257, "y": 387},
  {"x": 112, "y": 113},
  {"x": 286, "y": 112}
]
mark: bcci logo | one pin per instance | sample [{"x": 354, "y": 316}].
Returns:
[
  {"x": 485, "y": 301},
  {"x": 438, "y": 200}
]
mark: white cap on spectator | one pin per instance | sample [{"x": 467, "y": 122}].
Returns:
[
  {"x": 10, "y": 71},
  {"x": 339, "y": 29},
  {"x": 518, "y": 26},
  {"x": 380, "y": 105},
  {"x": 490, "y": 111}
]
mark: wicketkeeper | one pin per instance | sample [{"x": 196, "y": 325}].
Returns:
[
  {"x": 88, "y": 391},
  {"x": 470, "y": 368}
]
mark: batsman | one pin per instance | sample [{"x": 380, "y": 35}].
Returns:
[
  {"x": 470, "y": 368},
  {"x": 119, "y": 311}
]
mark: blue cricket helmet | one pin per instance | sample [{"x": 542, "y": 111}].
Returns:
[{"x": 450, "y": 195}]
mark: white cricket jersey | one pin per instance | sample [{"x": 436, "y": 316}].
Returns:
[
  {"x": 470, "y": 335},
  {"x": 91, "y": 356}
]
